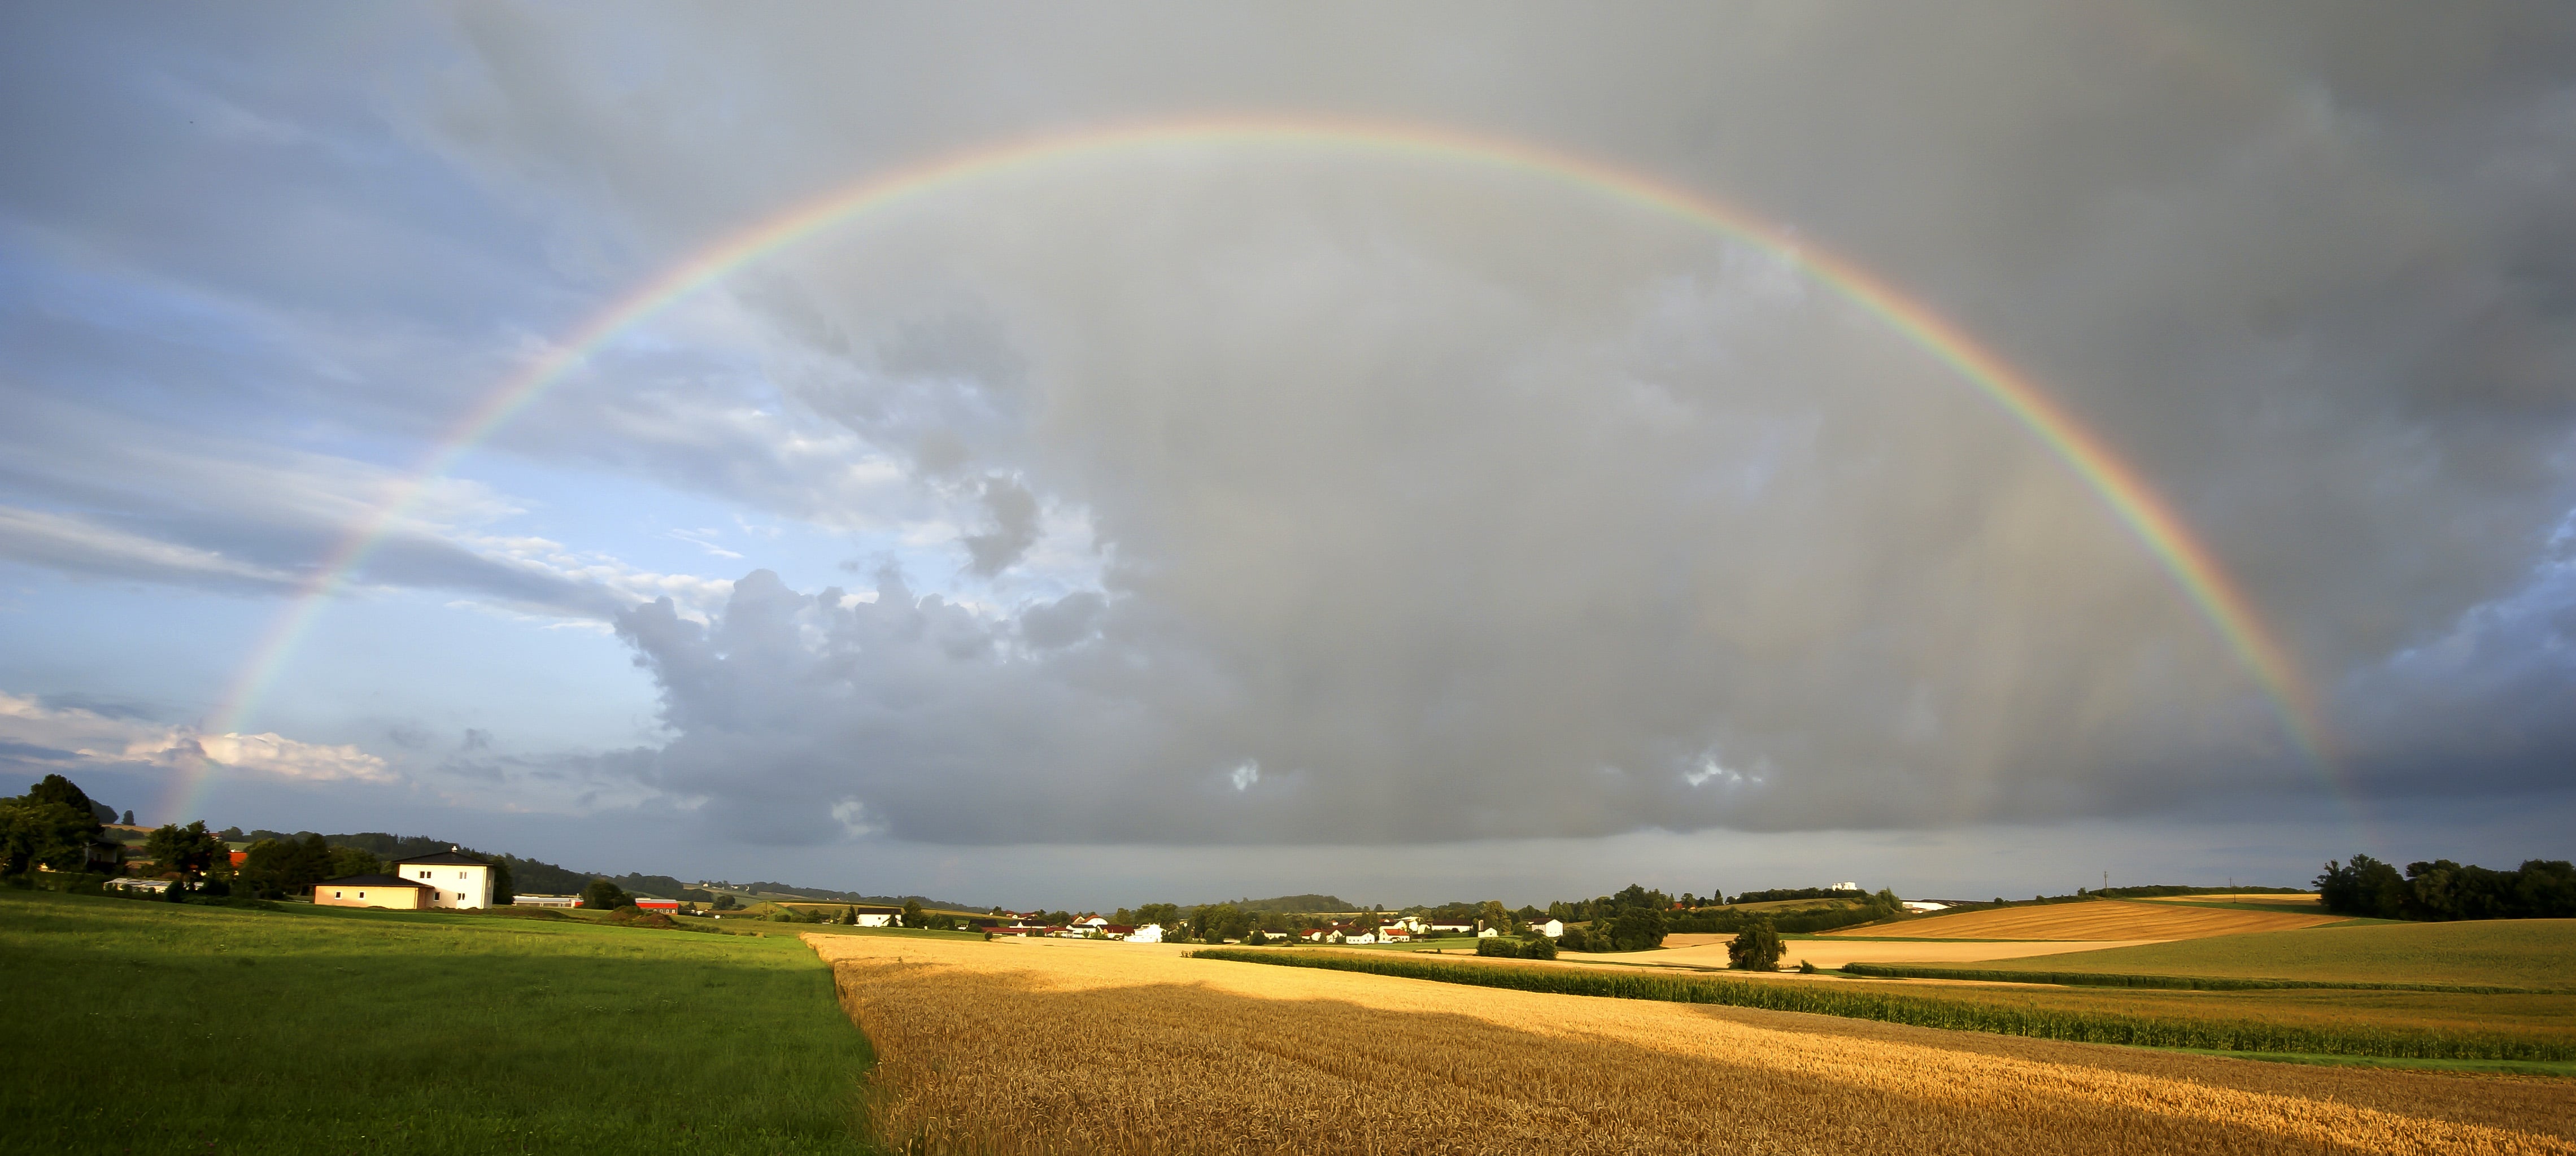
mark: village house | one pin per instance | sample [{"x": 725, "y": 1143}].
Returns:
[
  {"x": 1150, "y": 933},
  {"x": 1553, "y": 928},
  {"x": 1453, "y": 926},
  {"x": 452, "y": 879},
  {"x": 372, "y": 891}
]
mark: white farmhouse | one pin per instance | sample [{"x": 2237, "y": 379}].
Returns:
[
  {"x": 448, "y": 879},
  {"x": 1553, "y": 929},
  {"x": 1150, "y": 933}
]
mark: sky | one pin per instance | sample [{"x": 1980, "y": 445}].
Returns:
[{"x": 1230, "y": 512}]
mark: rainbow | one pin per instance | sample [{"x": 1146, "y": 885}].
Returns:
[{"x": 2135, "y": 503}]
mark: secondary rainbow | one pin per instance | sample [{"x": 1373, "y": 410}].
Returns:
[{"x": 2120, "y": 486}]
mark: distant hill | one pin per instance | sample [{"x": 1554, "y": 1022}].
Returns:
[
  {"x": 826, "y": 895},
  {"x": 1286, "y": 903}
]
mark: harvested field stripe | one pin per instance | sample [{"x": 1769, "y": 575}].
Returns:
[
  {"x": 1955, "y": 1015},
  {"x": 2173, "y": 982}
]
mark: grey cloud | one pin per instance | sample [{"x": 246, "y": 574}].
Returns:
[
  {"x": 1474, "y": 506},
  {"x": 1479, "y": 508},
  {"x": 1063, "y": 622},
  {"x": 1015, "y": 526}
]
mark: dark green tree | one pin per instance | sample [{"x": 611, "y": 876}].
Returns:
[
  {"x": 1756, "y": 948},
  {"x": 1637, "y": 929},
  {"x": 912, "y": 913},
  {"x": 2366, "y": 888},
  {"x": 276, "y": 868},
  {"x": 44, "y": 832},
  {"x": 189, "y": 850},
  {"x": 603, "y": 895},
  {"x": 347, "y": 861},
  {"x": 505, "y": 890}
]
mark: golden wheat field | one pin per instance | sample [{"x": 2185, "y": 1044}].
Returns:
[
  {"x": 2098, "y": 919},
  {"x": 1012, "y": 1047}
]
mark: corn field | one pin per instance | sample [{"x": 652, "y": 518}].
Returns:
[{"x": 1008, "y": 1048}]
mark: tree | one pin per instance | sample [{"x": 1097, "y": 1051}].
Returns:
[
  {"x": 2368, "y": 888},
  {"x": 1218, "y": 922},
  {"x": 1165, "y": 914},
  {"x": 45, "y": 832},
  {"x": 57, "y": 789},
  {"x": 1492, "y": 914},
  {"x": 603, "y": 895},
  {"x": 912, "y": 913},
  {"x": 505, "y": 890},
  {"x": 188, "y": 850},
  {"x": 1636, "y": 929},
  {"x": 726, "y": 902},
  {"x": 276, "y": 868},
  {"x": 348, "y": 861},
  {"x": 129, "y": 819},
  {"x": 1756, "y": 948}
]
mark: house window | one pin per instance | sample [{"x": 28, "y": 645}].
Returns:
[{"x": 335, "y": 895}]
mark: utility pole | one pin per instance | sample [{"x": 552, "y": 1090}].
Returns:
[{"x": 2106, "y": 881}]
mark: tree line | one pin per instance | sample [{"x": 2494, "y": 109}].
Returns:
[{"x": 2442, "y": 890}]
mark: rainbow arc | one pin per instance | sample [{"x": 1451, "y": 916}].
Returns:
[{"x": 2121, "y": 487}]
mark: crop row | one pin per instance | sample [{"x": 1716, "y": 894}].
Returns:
[
  {"x": 1954, "y": 1015},
  {"x": 2170, "y": 982}
]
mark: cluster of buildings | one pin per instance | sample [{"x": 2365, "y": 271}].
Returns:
[
  {"x": 446, "y": 878},
  {"x": 1401, "y": 929},
  {"x": 1091, "y": 927}
]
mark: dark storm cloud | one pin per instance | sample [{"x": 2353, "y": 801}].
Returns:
[{"x": 1421, "y": 503}]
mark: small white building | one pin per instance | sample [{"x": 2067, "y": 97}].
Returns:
[
  {"x": 451, "y": 878},
  {"x": 1453, "y": 926},
  {"x": 1844, "y": 887},
  {"x": 1924, "y": 905},
  {"x": 1150, "y": 933},
  {"x": 1489, "y": 933},
  {"x": 1553, "y": 928},
  {"x": 546, "y": 900}
]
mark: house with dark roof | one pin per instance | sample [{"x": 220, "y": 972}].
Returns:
[{"x": 451, "y": 878}]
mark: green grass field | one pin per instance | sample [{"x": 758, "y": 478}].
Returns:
[
  {"x": 2531, "y": 953},
  {"x": 151, "y": 1027}
]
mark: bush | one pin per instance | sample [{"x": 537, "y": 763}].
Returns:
[
  {"x": 1537, "y": 947},
  {"x": 603, "y": 895},
  {"x": 1756, "y": 948}
]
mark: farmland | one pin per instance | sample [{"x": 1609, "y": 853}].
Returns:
[
  {"x": 1030, "y": 1047},
  {"x": 2116, "y": 919},
  {"x": 2534, "y": 953},
  {"x": 155, "y": 1027}
]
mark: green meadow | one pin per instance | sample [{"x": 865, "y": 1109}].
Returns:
[{"x": 153, "y": 1027}]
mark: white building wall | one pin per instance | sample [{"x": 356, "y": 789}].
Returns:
[{"x": 451, "y": 885}]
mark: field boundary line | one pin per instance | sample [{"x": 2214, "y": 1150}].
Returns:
[{"x": 2175, "y": 982}]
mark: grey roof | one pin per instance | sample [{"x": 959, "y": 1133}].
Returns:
[
  {"x": 440, "y": 859},
  {"x": 371, "y": 881}
]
